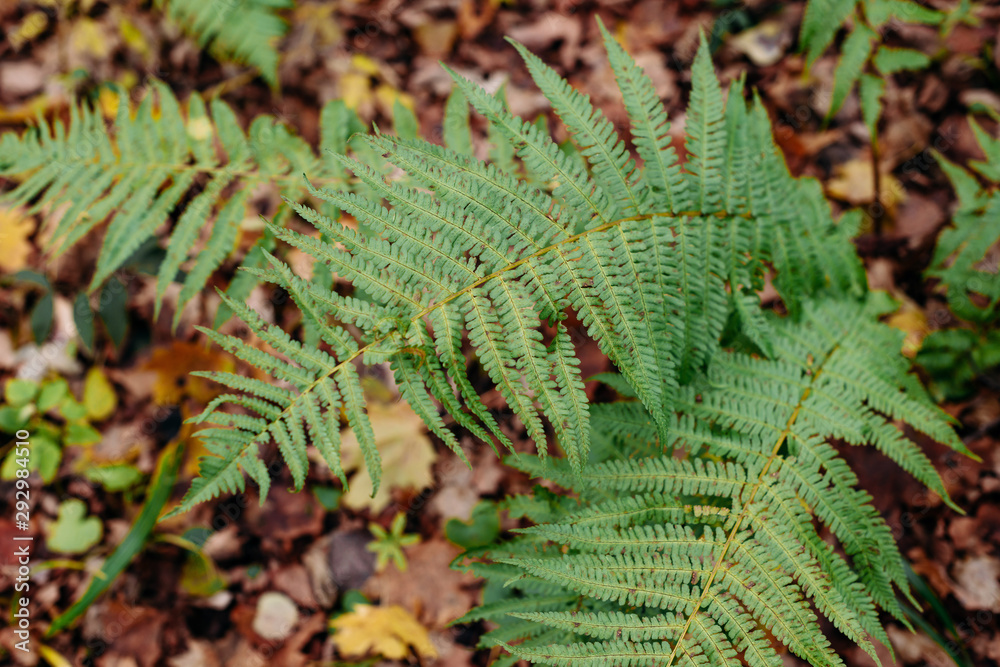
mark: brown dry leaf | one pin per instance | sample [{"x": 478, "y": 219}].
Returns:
[
  {"x": 15, "y": 248},
  {"x": 918, "y": 649},
  {"x": 436, "y": 37},
  {"x": 460, "y": 487},
  {"x": 139, "y": 636},
  {"x": 977, "y": 583},
  {"x": 387, "y": 631},
  {"x": 764, "y": 44},
  {"x": 407, "y": 456},
  {"x": 199, "y": 653},
  {"x": 437, "y": 593},
  {"x": 285, "y": 516}
]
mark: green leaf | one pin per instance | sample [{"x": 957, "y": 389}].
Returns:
[
  {"x": 14, "y": 419},
  {"x": 455, "y": 127},
  {"x": 71, "y": 409},
  {"x": 20, "y": 392},
  {"x": 481, "y": 529},
  {"x": 870, "y": 90},
  {"x": 74, "y": 532},
  {"x": 328, "y": 497},
  {"x": 44, "y": 456},
  {"x": 98, "y": 395},
  {"x": 41, "y": 318},
  {"x": 388, "y": 545},
  {"x": 880, "y": 12},
  {"x": 81, "y": 435},
  {"x": 83, "y": 318},
  {"x": 404, "y": 121},
  {"x": 159, "y": 493},
  {"x": 820, "y": 23},
  {"x": 199, "y": 576},
  {"x": 115, "y": 477},
  {"x": 52, "y": 393},
  {"x": 112, "y": 310},
  {"x": 244, "y": 32}
]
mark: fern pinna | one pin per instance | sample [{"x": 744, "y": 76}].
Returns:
[
  {"x": 156, "y": 165},
  {"x": 689, "y": 550}
]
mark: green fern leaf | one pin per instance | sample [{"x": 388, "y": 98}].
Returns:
[
  {"x": 702, "y": 548},
  {"x": 888, "y": 60},
  {"x": 856, "y": 51},
  {"x": 136, "y": 174},
  {"x": 244, "y": 32}
]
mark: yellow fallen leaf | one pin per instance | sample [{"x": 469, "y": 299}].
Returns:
[
  {"x": 33, "y": 25},
  {"x": 364, "y": 64},
  {"x": 355, "y": 89},
  {"x": 319, "y": 22},
  {"x": 854, "y": 183},
  {"x": 98, "y": 395},
  {"x": 407, "y": 456},
  {"x": 912, "y": 320},
  {"x": 15, "y": 228},
  {"x": 387, "y": 631},
  {"x": 132, "y": 36},
  {"x": 88, "y": 38},
  {"x": 107, "y": 100}
]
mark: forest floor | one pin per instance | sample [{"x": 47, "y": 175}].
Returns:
[{"x": 170, "y": 608}]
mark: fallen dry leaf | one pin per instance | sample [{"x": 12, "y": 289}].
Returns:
[
  {"x": 437, "y": 593},
  {"x": 407, "y": 456},
  {"x": 15, "y": 248},
  {"x": 764, "y": 44},
  {"x": 173, "y": 366},
  {"x": 918, "y": 649},
  {"x": 912, "y": 320},
  {"x": 854, "y": 183},
  {"x": 977, "y": 583},
  {"x": 387, "y": 631}
]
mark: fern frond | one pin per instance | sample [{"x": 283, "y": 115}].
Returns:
[
  {"x": 244, "y": 32},
  {"x": 962, "y": 258},
  {"x": 822, "y": 20},
  {"x": 464, "y": 248},
  {"x": 701, "y": 554},
  {"x": 820, "y": 23},
  {"x": 136, "y": 174}
]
